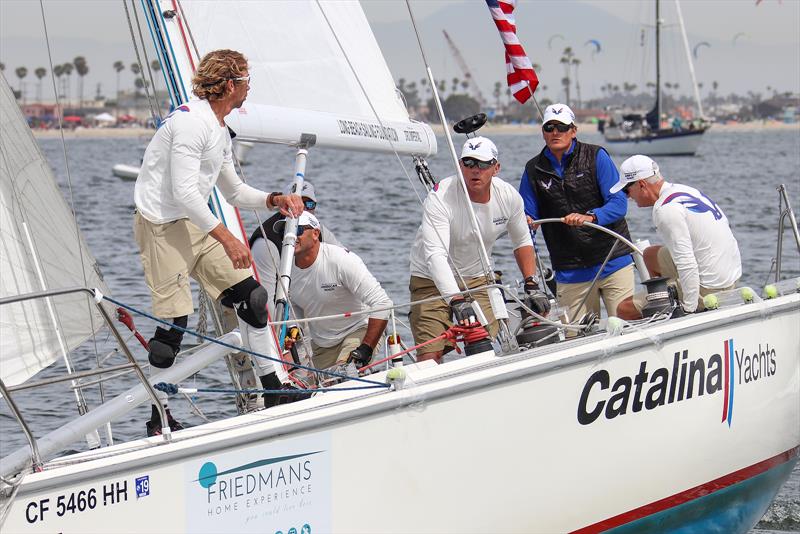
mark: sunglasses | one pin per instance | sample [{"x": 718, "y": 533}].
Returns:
[
  {"x": 482, "y": 165},
  {"x": 627, "y": 188},
  {"x": 241, "y": 79},
  {"x": 561, "y": 127},
  {"x": 301, "y": 229},
  {"x": 310, "y": 204}
]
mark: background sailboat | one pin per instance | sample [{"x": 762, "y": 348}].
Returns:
[{"x": 634, "y": 133}]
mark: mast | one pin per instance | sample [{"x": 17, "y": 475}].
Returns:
[
  {"x": 689, "y": 60},
  {"x": 658, "y": 62}
]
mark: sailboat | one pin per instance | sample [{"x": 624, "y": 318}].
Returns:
[
  {"x": 657, "y": 425},
  {"x": 629, "y": 133}
]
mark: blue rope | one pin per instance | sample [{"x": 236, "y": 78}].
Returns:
[
  {"x": 172, "y": 389},
  {"x": 238, "y": 348}
]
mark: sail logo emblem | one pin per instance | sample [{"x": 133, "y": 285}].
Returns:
[
  {"x": 604, "y": 396},
  {"x": 695, "y": 205}
]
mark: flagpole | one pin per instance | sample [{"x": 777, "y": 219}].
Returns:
[{"x": 536, "y": 103}]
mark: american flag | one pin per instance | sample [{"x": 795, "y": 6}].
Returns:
[{"x": 521, "y": 77}]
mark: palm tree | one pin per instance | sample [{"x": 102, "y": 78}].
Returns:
[
  {"x": 21, "y": 72},
  {"x": 575, "y": 63},
  {"x": 58, "y": 71},
  {"x": 82, "y": 70},
  {"x": 119, "y": 66},
  {"x": 155, "y": 65},
  {"x": 455, "y": 82},
  {"x": 40, "y": 73},
  {"x": 67, "y": 68},
  {"x": 498, "y": 90}
]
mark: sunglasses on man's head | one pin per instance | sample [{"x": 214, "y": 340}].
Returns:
[
  {"x": 241, "y": 79},
  {"x": 482, "y": 165},
  {"x": 561, "y": 127},
  {"x": 310, "y": 204}
]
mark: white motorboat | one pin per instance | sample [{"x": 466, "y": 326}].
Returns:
[{"x": 666, "y": 424}]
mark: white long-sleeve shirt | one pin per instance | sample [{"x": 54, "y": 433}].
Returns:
[
  {"x": 268, "y": 259},
  {"x": 445, "y": 211},
  {"x": 189, "y": 154},
  {"x": 699, "y": 239},
  {"x": 337, "y": 282}
]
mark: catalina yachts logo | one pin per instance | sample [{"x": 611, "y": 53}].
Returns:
[{"x": 649, "y": 389}]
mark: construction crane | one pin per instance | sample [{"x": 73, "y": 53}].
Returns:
[{"x": 472, "y": 85}]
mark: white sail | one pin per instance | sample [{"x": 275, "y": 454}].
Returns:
[
  {"x": 40, "y": 249},
  {"x": 302, "y": 77}
]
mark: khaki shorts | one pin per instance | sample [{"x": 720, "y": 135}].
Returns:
[
  {"x": 174, "y": 251},
  {"x": 325, "y": 357},
  {"x": 431, "y": 319},
  {"x": 614, "y": 288},
  {"x": 668, "y": 269}
]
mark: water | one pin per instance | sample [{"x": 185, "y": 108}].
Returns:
[{"x": 371, "y": 205}]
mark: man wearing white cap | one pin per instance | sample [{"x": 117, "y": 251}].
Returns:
[
  {"x": 571, "y": 181},
  {"x": 700, "y": 253},
  {"x": 330, "y": 280},
  {"x": 266, "y": 241},
  {"x": 446, "y": 237}
]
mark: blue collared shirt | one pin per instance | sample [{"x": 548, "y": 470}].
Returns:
[{"x": 614, "y": 208}]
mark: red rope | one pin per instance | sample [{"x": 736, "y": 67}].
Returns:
[{"x": 467, "y": 334}]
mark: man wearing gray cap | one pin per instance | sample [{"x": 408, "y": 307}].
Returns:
[
  {"x": 571, "y": 181},
  {"x": 700, "y": 254}
]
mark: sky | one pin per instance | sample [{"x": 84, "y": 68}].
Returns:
[{"x": 766, "y": 53}]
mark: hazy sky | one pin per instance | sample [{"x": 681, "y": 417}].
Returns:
[{"x": 766, "y": 54}]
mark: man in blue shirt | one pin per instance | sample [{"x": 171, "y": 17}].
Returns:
[{"x": 571, "y": 180}]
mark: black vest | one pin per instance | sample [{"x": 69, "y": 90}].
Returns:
[
  {"x": 269, "y": 231},
  {"x": 573, "y": 247}
]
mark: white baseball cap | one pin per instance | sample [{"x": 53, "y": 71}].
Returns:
[
  {"x": 480, "y": 148},
  {"x": 558, "y": 112},
  {"x": 307, "y": 191},
  {"x": 633, "y": 169},
  {"x": 306, "y": 219}
]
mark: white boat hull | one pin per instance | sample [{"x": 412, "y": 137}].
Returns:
[
  {"x": 126, "y": 172},
  {"x": 542, "y": 441},
  {"x": 680, "y": 144}
]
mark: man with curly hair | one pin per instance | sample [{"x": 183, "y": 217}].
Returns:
[{"x": 178, "y": 235}]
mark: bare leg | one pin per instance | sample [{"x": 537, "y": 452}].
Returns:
[
  {"x": 651, "y": 260},
  {"x": 435, "y": 356},
  {"x": 626, "y": 310}
]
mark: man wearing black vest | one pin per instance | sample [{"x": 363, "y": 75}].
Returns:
[{"x": 571, "y": 180}]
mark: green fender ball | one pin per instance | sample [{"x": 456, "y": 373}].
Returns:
[
  {"x": 747, "y": 294},
  {"x": 711, "y": 302},
  {"x": 771, "y": 291}
]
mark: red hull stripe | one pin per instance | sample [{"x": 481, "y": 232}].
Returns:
[{"x": 691, "y": 494}]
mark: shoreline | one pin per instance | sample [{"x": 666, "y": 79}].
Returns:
[{"x": 489, "y": 129}]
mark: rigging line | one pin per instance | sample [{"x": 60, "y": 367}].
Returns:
[
  {"x": 237, "y": 348},
  {"x": 165, "y": 72},
  {"x": 154, "y": 104},
  {"x": 166, "y": 66},
  {"x": 485, "y": 261},
  {"x": 391, "y": 144},
  {"x": 67, "y": 358},
  {"x": 153, "y": 112}
]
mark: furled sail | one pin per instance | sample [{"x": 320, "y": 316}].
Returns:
[
  {"x": 40, "y": 249},
  {"x": 308, "y": 63}
]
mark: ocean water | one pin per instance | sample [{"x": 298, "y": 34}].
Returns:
[{"x": 372, "y": 204}]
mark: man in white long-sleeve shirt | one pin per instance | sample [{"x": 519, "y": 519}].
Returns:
[
  {"x": 446, "y": 236},
  {"x": 179, "y": 236},
  {"x": 331, "y": 280},
  {"x": 700, "y": 254}
]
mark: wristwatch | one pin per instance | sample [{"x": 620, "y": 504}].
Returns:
[{"x": 593, "y": 215}]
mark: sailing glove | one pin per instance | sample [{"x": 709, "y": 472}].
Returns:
[
  {"x": 361, "y": 356},
  {"x": 535, "y": 298},
  {"x": 462, "y": 311}
]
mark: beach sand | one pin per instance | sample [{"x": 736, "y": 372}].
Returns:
[{"x": 489, "y": 129}]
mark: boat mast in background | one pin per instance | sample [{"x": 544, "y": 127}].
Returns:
[{"x": 689, "y": 60}]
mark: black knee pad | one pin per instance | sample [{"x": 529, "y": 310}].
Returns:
[
  {"x": 165, "y": 344},
  {"x": 249, "y": 299}
]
